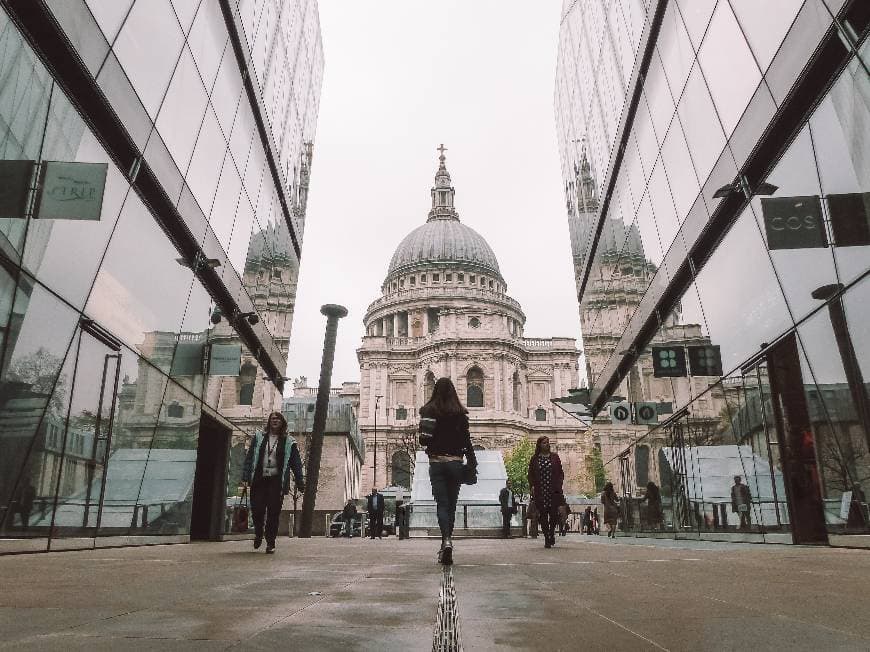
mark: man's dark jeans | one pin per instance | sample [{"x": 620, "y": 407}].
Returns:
[
  {"x": 266, "y": 500},
  {"x": 446, "y": 479},
  {"x": 505, "y": 523}
]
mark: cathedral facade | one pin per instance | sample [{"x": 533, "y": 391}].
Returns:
[{"x": 444, "y": 310}]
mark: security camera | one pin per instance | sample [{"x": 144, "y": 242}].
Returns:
[
  {"x": 252, "y": 317},
  {"x": 216, "y": 316}
]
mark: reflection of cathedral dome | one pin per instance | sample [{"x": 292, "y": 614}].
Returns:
[
  {"x": 443, "y": 239},
  {"x": 270, "y": 247}
]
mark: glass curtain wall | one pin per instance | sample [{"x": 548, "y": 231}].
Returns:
[{"x": 105, "y": 331}]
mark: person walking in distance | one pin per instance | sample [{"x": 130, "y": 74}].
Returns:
[
  {"x": 508, "y": 509},
  {"x": 545, "y": 481},
  {"x": 741, "y": 499},
  {"x": 445, "y": 435},
  {"x": 610, "y": 503},
  {"x": 375, "y": 509},
  {"x": 587, "y": 520},
  {"x": 272, "y": 456},
  {"x": 653, "y": 498},
  {"x": 348, "y": 515}
]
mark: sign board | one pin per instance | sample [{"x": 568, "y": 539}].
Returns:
[
  {"x": 845, "y": 503},
  {"x": 646, "y": 413},
  {"x": 669, "y": 361},
  {"x": 794, "y": 222},
  {"x": 665, "y": 407},
  {"x": 705, "y": 360},
  {"x": 71, "y": 191},
  {"x": 620, "y": 412},
  {"x": 225, "y": 360},
  {"x": 187, "y": 360},
  {"x": 15, "y": 180},
  {"x": 850, "y": 218}
]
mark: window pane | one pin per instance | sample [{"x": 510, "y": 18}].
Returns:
[
  {"x": 148, "y": 48},
  {"x": 765, "y": 24},
  {"x": 204, "y": 171},
  {"x": 182, "y": 111},
  {"x": 702, "y": 128},
  {"x": 732, "y": 78}
]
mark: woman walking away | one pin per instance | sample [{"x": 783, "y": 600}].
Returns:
[
  {"x": 545, "y": 481},
  {"x": 653, "y": 498},
  {"x": 587, "y": 520},
  {"x": 444, "y": 433},
  {"x": 611, "y": 509},
  {"x": 272, "y": 456}
]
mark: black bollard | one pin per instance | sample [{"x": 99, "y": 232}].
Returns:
[{"x": 333, "y": 313}]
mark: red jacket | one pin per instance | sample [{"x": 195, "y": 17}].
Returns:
[{"x": 556, "y": 479}]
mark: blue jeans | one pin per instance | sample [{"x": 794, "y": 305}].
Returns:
[{"x": 446, "y": 479}]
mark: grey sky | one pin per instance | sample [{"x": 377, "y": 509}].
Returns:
[{"x": 402, "y": 77}]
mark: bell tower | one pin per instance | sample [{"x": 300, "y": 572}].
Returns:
[{"x": 443, "y": 193}]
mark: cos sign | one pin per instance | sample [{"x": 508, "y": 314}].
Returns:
[{"x": 794, "y": 222}]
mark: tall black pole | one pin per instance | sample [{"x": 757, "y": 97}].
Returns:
[{"x": 333, "y": 313}]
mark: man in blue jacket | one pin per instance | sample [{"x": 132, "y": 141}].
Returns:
[{"x": 273, "y": 454}]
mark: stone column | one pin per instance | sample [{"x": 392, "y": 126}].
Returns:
[
  {"x": 497, "y": 384},
  {"x": 395, "y": 324}
]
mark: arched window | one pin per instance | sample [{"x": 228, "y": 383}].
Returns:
[
  {"x": 247, "y": 379},
  {"x": 540, "y": 414},
  {"x": 401, "y": 463},
  {"x": 174, "y": 410},
  {"x": 474, "y": 394},
  {"x": 517, "y": 389},
  {"x": 428, "y": 386},
  {"x": 641, "y": 465}
]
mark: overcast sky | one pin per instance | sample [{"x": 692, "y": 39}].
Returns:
[{"x": 401, "y": 77}]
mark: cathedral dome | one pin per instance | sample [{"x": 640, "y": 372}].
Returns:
[{"x": 443, "y": 239}]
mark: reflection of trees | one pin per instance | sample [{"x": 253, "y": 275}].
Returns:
[
  {"x": 39, "y": 369},
  {"x": 516, "y": 464},
  {"x": 842, "y": 464},
  {"x": 595, "y": 475},
  {"x": 407, "y": 442}
]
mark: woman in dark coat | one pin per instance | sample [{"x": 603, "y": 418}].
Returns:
[
  {"x": 445, "y": 420},
  {"x": 653, "y": 498},
  {"x": 545, "y": 480},
  {"x": 610, "y": 502}
]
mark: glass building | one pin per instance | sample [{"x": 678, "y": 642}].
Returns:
[
  {"x": 154, "y": 165},
  {"x": 716, "y": 163}
]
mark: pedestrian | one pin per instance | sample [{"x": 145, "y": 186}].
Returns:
[
  {"x": 375, "y": 509},
  {"x": 596, "y": 522},
  {"x": 532, "y": 517},
  {"x": 272, "y": 455},
  {"x": 741, "y": 499},
  {"x": 564, "y": 515},
  {"x": 610, "y": 503},
  {"x": 348, "y": 515},
  {"x": 545, "y": 481},
  {"x": 857, "y": 517},
  {"x": 24, "y": 504},
  {"x": 587, "y": 520},
  {"x": 508, "y": 509},
  {"x": 444, "y": 429},
  {"x": 653, "y": 498}
]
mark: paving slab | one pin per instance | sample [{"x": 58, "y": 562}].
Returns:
[{"x": 587, "y": 593}]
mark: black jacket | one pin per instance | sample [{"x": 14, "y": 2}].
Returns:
[
  {"x": 370, "y": 508},
  {"x": 451, "y": 437}
]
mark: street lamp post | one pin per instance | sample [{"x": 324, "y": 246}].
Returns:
[{"x": 375, "y": 471}]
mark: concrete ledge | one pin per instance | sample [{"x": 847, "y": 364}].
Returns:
[
  {"x": 237, "y": 537},
  {"x": 121, "y": 541},
  {"x": 13, "y": 546},
  {"x": 731, "y": 537},
  {"x": 849, "y": 540}
]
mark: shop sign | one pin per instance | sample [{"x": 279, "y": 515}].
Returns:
[
  {"x": 225, "y": 360},
  {"x": 620, "y": 412},
  {"x": 71, "y": 191},
  {"x": 187, "y": 360},
  {"x": 646, "y": 413},
  {"x": 705, "y": 360},
  {"x": 15, "y": 179},
  {"x": 794, "y": 222},
  {"x": 850, "y": 218},
  {"x": 669, "y": 361}
]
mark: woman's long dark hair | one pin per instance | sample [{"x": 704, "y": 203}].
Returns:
[
  {"x": 653, "y": 491},
  {"x": 538, "y": 445},
  {"x": 283, "y": 431},
  {"x": 609, "y": 490},
  {"x": 444, "y": 402}
]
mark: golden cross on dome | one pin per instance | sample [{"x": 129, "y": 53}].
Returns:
[{"x": 441, "y": 149}]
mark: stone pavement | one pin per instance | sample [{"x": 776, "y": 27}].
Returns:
[{"x": 588, "y": 593}]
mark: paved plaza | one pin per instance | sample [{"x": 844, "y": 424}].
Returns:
[{"x": 587, "y": 593}]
